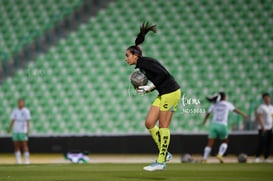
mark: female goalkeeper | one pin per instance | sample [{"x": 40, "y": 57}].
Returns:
[{"x": 166, "y": 102}]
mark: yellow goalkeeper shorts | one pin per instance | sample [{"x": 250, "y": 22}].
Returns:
[{"x": 168, "y": 101}]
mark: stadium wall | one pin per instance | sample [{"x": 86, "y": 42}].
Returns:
[{"x": 182, "y": 143}]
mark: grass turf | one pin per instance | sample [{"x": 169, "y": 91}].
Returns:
[{"x": 131, "y": 172}]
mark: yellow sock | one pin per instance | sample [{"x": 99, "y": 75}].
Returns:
[
  {"x": 165, "y": 137},
  {"x": 156, "y": 136}
]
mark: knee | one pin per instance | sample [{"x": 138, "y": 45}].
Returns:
[
  {"x": 149, "y": 124},
  {"x": 210, "y": 145},
  {"x": 16, "y": 147}
]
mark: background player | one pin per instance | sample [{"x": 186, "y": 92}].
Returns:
[
  {"x": 164, "y": 105},
  {"x": 218, "y": 127},
  {"x": 20, "y": 119},
  {"x": 264, "y": 117}
]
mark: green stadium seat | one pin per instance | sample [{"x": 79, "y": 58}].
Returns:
[
  {"x": 24, "y": 20},
  {"x": 85, "y": 87}
]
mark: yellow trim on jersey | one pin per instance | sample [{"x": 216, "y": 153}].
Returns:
[{"x": 168, "y": 101}]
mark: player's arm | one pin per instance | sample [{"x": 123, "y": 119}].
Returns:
[
  {"x": 10, "y": 125},
  {"x": 155, "y": 68},
  {"x": 206, "y": 118},
  {"x": 244, "y": 115},
  {"x": 28, "y": 122},
  {"x": 259, "y": 117},
  {"x": 260, "y": 121},
  {"x": 28, "y": 127}
]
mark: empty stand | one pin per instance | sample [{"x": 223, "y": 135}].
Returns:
[{"x": 81, "y": 85}]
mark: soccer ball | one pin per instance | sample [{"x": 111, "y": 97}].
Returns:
[
  {"x": 137, "y": 79},
  {"x": 186, "y": 158},
  {"x": 242, "y": 158}
]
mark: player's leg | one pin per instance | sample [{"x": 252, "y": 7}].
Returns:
[
  {"x": 26, "y": 151},
  {"x": 164, "y": 142},
  {"x": 223, "y": 135},
  {"x": 260, "y": 145},
  {"x": 223, "y": 147},
  {"x": 16, "y": 143},
  {"x": 268, "y": 143},
  {"x": 24, "y": 144},
  {"x": 207, "y": 149},
  {"x": 17, "y": 151},
  {"x": 151, "y": 119},
  {"x": 165, "y": 118},
  {"x": 168, "y": 105},
  {"x": 212, "y": 136}
]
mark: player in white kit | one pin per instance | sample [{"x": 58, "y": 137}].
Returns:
[
  {"x": 218, "y": 127},
  {"x": 20, "y": 118},
  {"x": 265, "y": 120}
]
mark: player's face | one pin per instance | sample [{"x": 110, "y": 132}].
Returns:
[
  {"x": 20, "y": 104},
  {"x": 267, "y": 100},
  {"x": 131, "y": 59}
]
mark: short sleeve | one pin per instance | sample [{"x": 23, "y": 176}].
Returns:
[
  {"x": 231, "y": 107},
  {"x": 13, "y": 115},
  {"x": 211, "y": 108},
  {"x": 28, "y": 114},
  {"x": 260, "y": 109}
]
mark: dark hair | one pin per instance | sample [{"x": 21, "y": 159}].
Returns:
[
  {"x": 20, "y": 99},
  {"x": 135, "y": 50},
  {"x": 144, "y": 29},
  {"x": 265, "y": 94},
  {"x": 216, "y": 97},
  {"x": 222, "y": 95}
]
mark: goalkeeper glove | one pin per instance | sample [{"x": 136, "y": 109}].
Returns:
[{"x": 145, "y": 89}]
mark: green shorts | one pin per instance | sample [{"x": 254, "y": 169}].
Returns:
[
  {"x": 19, "y": 137},
  {"x": 218, "y": 131}
]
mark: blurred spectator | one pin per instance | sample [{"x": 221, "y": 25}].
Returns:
[
  {"x": 264, "y": 118},
  {"x": 19, "y": 124}
]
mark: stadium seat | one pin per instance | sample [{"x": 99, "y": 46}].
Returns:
[
  {"x": 84, "y": 86},
  {"x": 22, "y": 21}
]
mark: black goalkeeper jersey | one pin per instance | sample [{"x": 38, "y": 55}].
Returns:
[{"x": 158, "y": 75}]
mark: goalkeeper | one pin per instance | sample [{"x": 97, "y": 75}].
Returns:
[{"x": 164, "y": 105}]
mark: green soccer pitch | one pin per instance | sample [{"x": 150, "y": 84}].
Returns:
[{"x": 131, "y": 172}]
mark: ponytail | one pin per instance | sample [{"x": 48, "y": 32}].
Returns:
[
  {"x": 216, "y": 97},
  {"x": 144, "y": 29}
]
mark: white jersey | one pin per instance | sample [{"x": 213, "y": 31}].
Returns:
[
  {"x": 20, "y": 117},
  {"x": 267, "y": 115},
  {"x": 220, "y": 112}
]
